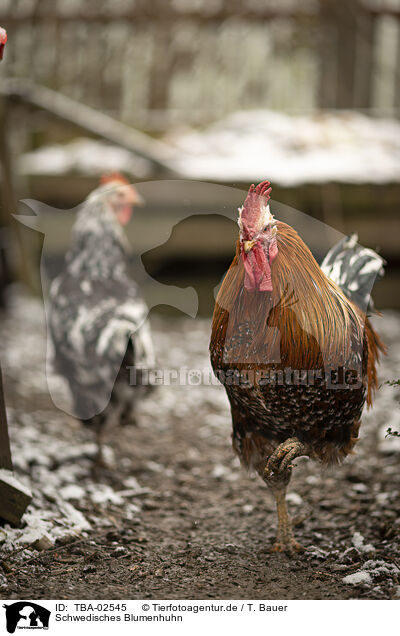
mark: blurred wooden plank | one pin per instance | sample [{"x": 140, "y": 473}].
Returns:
[
  {"x": 90, "y": 120},
  {"x": 147, "y": 12},
  {"x": 163, "y": 11}
]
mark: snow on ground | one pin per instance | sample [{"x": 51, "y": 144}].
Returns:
[
  {"x": 372, "y": 571},
  {"x": 58, "y": 468},
  {"x": 342, "y": 146}
]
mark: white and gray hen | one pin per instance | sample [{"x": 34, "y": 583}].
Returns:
[{"x": 97, "y": 318}]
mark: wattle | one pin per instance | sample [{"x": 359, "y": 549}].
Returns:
[{"x": 257, "y": 265}]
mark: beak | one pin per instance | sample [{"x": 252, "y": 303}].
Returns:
[
  {"x": 139, "y": 200},
  {"x": 136, "y": 198},
  {"x": 248, "y": 245}
]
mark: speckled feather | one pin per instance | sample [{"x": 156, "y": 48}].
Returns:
[
  {"x": 354, "y": 268},
  {"x": 97, "y": 316}
]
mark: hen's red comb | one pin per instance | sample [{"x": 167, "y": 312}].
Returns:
[{"x": 111, "y": 177}]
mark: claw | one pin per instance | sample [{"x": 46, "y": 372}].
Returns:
[
  {"x": 289, "y": 547},
  {"x": 281, "y": 458}
]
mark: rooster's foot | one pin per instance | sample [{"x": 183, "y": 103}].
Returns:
[
  {"x": 281, "y": 458},
  {"x": 289, "y": 546}
]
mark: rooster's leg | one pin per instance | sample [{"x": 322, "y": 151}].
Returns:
[
  {"x": 285, "y": 541},
  {"x": 277, "y": 473},
  {"x": 100, "y": 459}
]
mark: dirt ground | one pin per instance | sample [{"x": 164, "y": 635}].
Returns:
[{"x": 176, "y": 517}]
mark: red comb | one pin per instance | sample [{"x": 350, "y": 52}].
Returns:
[
  {"x": 111, "y": 177},
  {"x": 252, "y": 206},
  {"x": 263, "y": 189}
]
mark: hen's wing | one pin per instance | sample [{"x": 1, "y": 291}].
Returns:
[{"x": 91, "y": 324}]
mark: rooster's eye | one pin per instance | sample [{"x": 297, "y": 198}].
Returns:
[{"x": 266, "y": 228}]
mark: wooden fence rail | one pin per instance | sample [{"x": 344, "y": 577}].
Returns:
[{"x": 202, "y": 63}]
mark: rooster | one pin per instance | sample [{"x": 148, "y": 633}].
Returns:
[
  {"x": 3, "y": 41},
  {"x": 296, "y": 353},
  {"x": 97, "y": 324}
]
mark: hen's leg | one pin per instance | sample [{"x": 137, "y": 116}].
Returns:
[
  {"x": 277, "y": 473},
  {"x": 100, "y": 458}
]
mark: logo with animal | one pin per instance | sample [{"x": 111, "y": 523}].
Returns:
[{"x": 26, "y": 615}]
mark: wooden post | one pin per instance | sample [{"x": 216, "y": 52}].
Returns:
[
  {"x": 327, "y": 47},
  {"x": 366, "y": 22},
  {"x": 346, "y": 52},
  {"x": 5, "y": 275},
  {"x": 5, "y": 452},
  {"x": 14, "y": 496},
  {"x": 9, "y": 204},
  {"x": 396, "y": 103},
  {"x": 338, "y": 41}
]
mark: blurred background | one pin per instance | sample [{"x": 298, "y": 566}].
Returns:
[
  {"x": 305, "y": 94},
  {"x": 192, "y": 100}
]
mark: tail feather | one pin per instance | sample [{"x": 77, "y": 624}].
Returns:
[{"x": 354, "y": 268}]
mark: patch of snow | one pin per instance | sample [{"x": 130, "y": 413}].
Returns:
[
  {"x": 372, "y": 570},
  {"x": 132, "y": 482},
  {"x": 380, "y": 568},
  {"x": 248, "y": 509},
  {"x": 294, "y": 498},
  {"x": 85, "y": 156},
  {"x": 75, "y": 519},
  {"x": 382, "y": 498},
  {"x": 72, "y": 491},
  {"x": 360, "y": 488},
  {"x": 104, "y": 494},
  {"x": 224, "y": 472},
  {"x": 330, "y": 146},
  {"x": 219, "y": 471},
  {"x": 246, "y": 146},
  {"x": 358, "y": 542},
  {"x": 317, "y": 552},
  {"x": 8, "y": 477}
]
